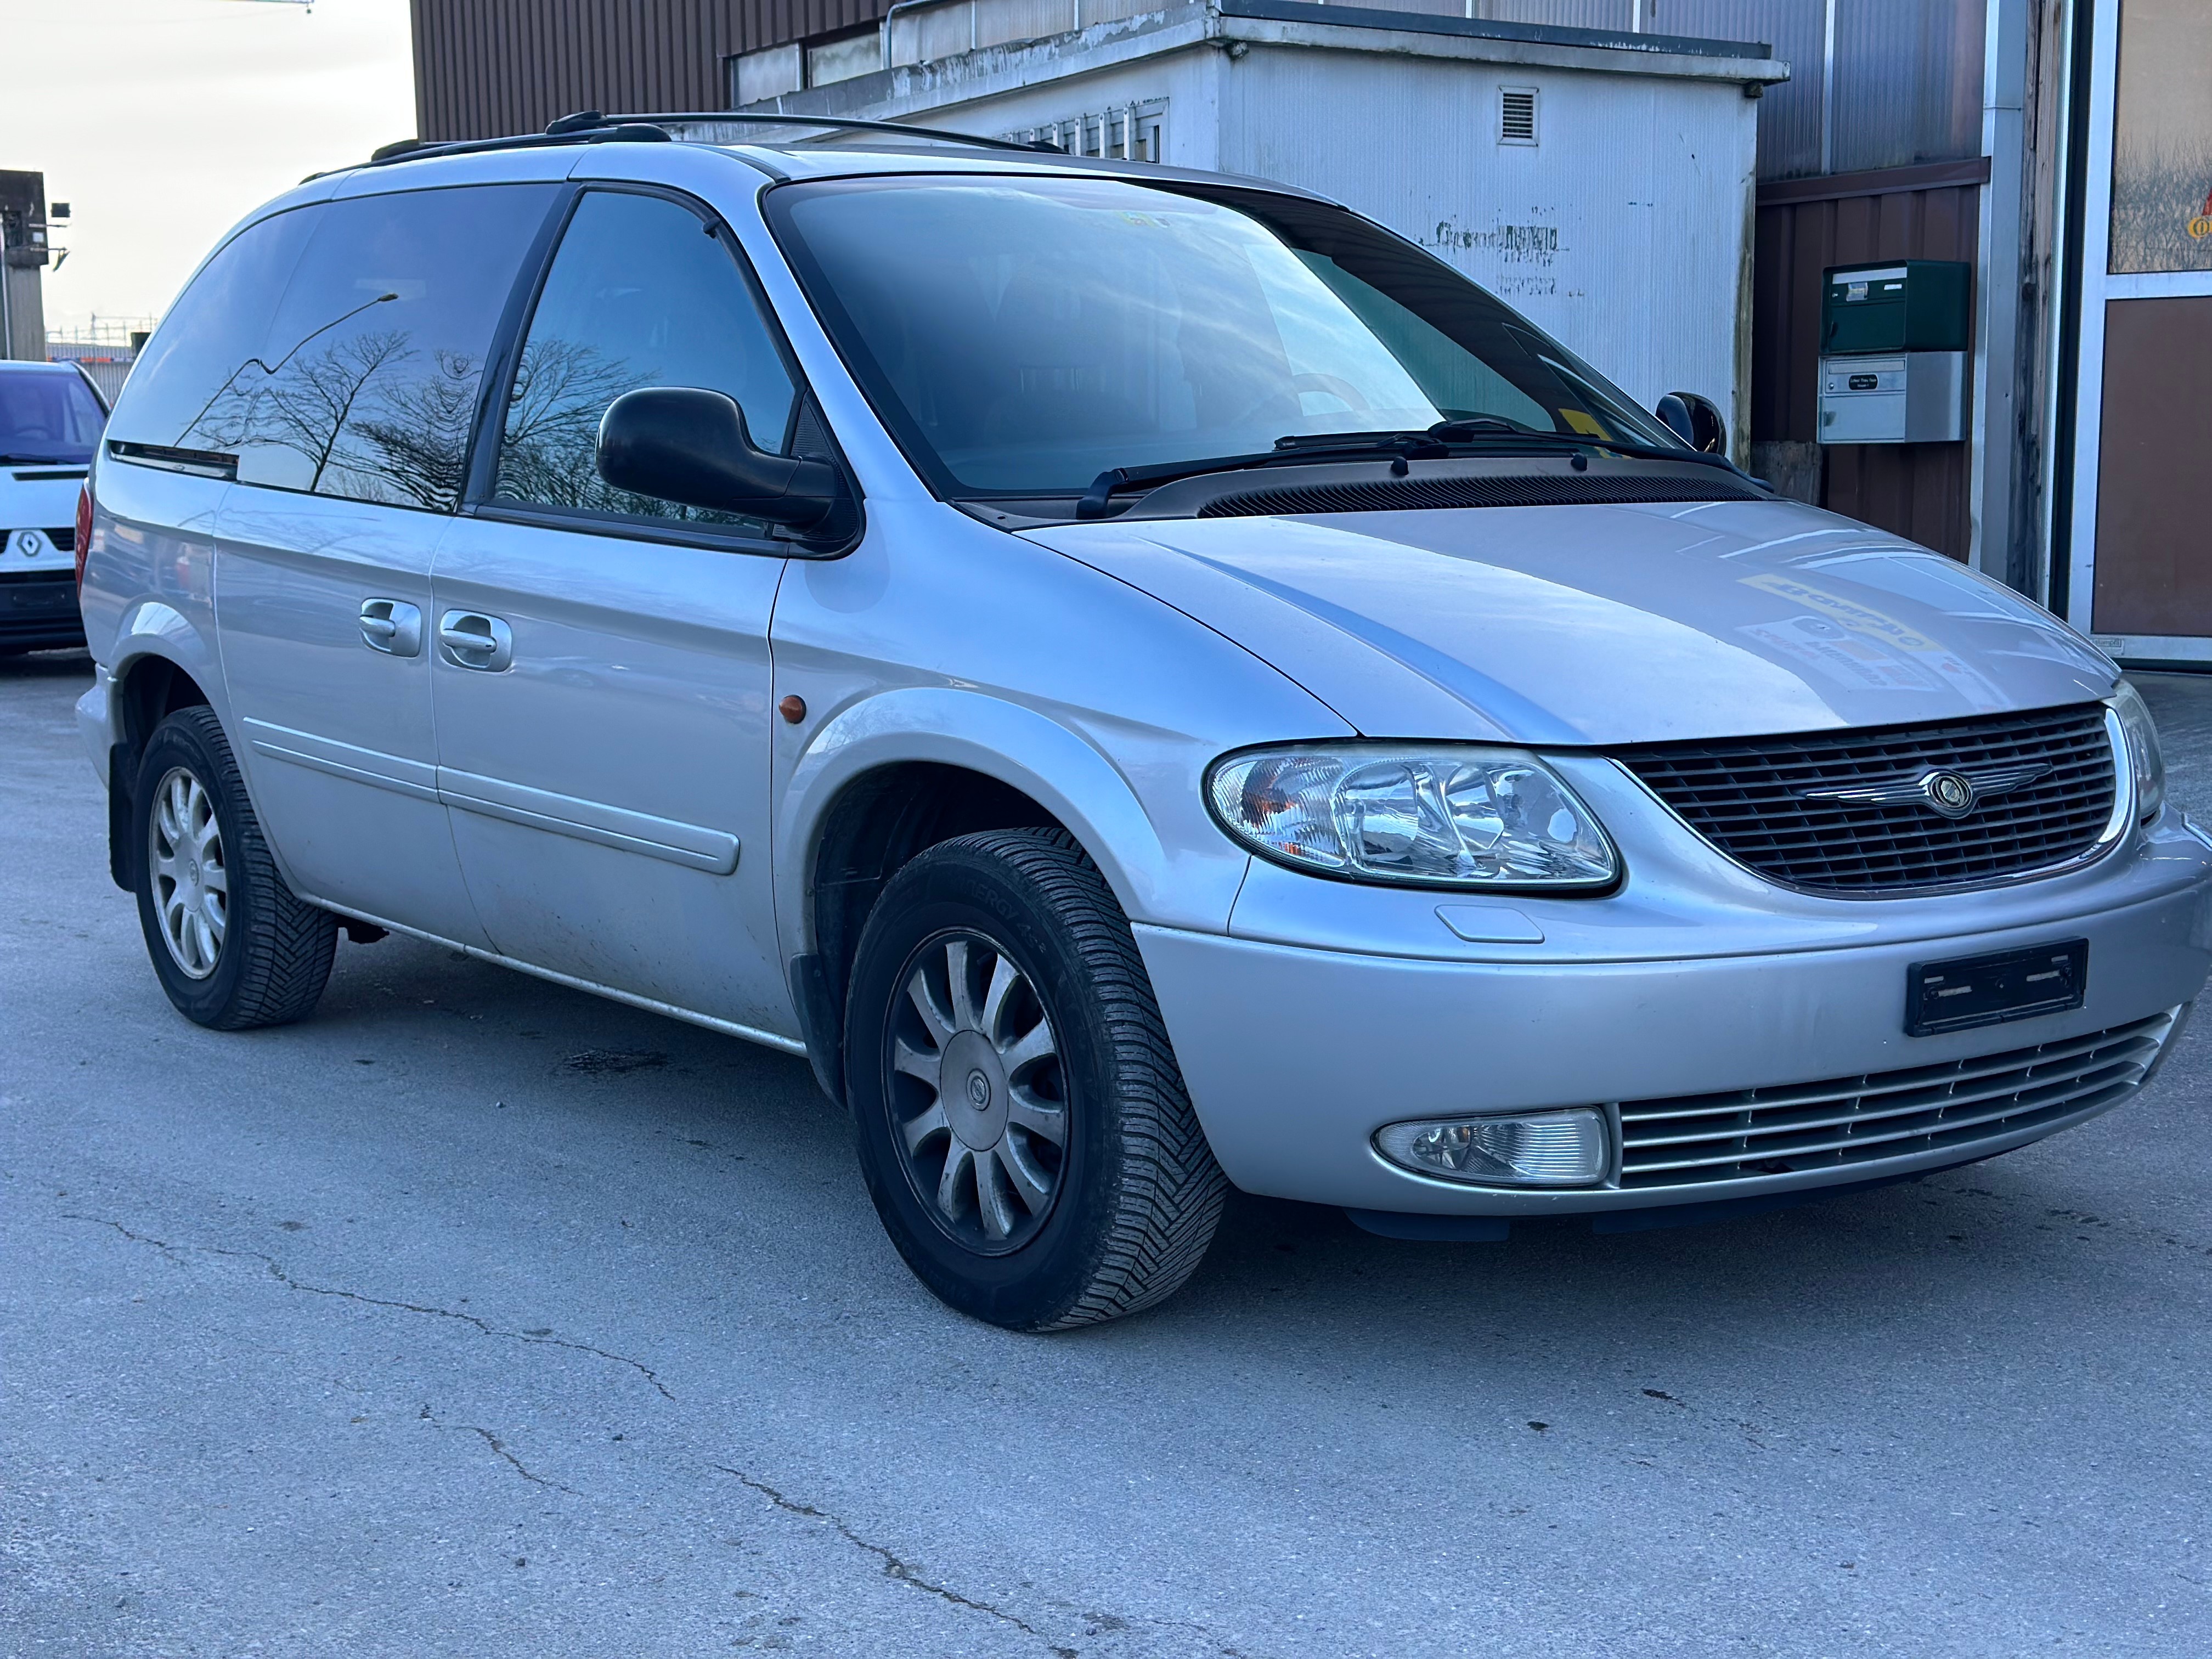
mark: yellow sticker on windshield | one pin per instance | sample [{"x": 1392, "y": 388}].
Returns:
[{"x": 1583, "y": 422}]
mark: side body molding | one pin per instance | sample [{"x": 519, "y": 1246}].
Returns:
[
  {"x": 694, "y": 846},
  {"x": 691, "y": 845},
  {"x": 1054, "y": 765}
]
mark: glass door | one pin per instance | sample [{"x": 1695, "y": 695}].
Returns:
[{"x": 2141, "y": 576}]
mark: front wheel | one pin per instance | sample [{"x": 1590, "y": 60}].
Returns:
[
  {"x": 1023, "y": 1125},
  {"x": 233, "y": 945}
]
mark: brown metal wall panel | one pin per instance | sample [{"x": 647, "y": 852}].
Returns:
[
  {"x": 2154, "y": 570},
  {"x": 1917, "y": 490},
  {"x": 487, "y": 67}
]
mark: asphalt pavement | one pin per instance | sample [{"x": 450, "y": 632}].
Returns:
[{"x": 474, "y": 1317}]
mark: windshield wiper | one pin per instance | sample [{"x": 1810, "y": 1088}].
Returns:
[
  {"x": 1487, "y": 431},
  {"x": 38, "y": 460},
  {"x": 1477, "y": 435}
]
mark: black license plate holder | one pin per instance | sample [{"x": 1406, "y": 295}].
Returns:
[{"x": 1965, "y": 991}]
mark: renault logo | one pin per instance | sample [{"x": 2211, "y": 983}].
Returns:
[{"x": 1951, "y": 793}]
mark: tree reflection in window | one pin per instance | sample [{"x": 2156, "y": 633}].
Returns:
[
  {"x": 550, "y": 456},
  {"x": 637, "y": 296},
  {"x": 374, "y": 398},
  {"x": 370, "y": 417}
]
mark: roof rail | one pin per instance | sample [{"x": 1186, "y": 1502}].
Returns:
[
  {"x": 597, "y": 130},
  {"x": 591, "y": 127},
  {"x": 757, "y": 118}
]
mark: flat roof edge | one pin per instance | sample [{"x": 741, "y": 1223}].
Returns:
[
  {"x": 940, "y": 86},
  {"x": 1547, "y": 34}
]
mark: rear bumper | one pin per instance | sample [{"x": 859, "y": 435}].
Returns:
[
  {"x": 96, "y": 718},
  {"x": 1294, "y": 1056},
  {"x": 38, "y": 611}
]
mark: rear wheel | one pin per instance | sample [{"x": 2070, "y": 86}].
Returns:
[
  {"x": 233, "y": 945},
  {"x": 1023, "y": 1125}
]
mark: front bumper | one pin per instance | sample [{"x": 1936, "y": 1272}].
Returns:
[
  {"x": 38, "y": 609},
  {"x": 1295, "y": 1055}
]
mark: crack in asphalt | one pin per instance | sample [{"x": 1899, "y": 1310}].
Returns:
[
  {"x": 894, "y": 1567},
  {"x": 500, "y": 1446},
  {"x": 904, "y": 1572},
  {"x": 276, "y": 1272}
]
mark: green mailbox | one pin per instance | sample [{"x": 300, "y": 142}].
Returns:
[{"x": 1908, "y": 305}]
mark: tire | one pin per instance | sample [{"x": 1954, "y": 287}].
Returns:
[
  {"x": 232, "y": 944},
  {"x": 1098, "y": 1196}
]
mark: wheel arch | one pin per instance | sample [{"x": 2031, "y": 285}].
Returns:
[
  {"x": 149, "y": 688},
  {"x": 892, "y": 774},
  {"x": 144, "y": 689}
]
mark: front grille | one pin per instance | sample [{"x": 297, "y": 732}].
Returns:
[
  {"x": 1748, "y": 1132},
  {"x": 64, "y": 540},
  {"x": 1749, "y": 798},
  {"x": 1707, "y": 484}
]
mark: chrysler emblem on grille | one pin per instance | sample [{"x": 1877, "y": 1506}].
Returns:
[{"x": 1951, "y": 791}]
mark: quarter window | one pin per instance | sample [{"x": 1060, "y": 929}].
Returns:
[
  {"x": 182, "y": 386},
  {"x": 642, "y": 292},
  {"x": 364, "y": 382}
]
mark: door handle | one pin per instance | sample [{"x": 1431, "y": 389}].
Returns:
[
  {"x": 472, "y": 639},
  {"x": 391, "y": 626}
]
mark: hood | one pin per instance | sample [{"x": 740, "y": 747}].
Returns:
[
  {"x": 39, "y": 496},
  {"x": 1602, "y": 625}
]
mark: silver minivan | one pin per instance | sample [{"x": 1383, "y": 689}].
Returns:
[{"x": 1149, "y": 681}]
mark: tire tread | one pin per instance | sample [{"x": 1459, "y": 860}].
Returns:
[
  {"x": 289, "y": 944},
  {"x": 1169, "y": 1199}
]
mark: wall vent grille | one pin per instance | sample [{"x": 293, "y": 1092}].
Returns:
[{"x": 1516, "y": 115}]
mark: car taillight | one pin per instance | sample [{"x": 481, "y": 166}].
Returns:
[{"x": 83, "y": 529}]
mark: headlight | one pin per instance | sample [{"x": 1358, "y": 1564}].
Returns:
[
  {"x": 2143, "y": 758},
  {"x": 1439, "y": 816}
]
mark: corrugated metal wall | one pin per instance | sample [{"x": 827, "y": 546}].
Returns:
[
  {"x": 1918, "y": 491},
  {"x": 1908, "y": 83},
  {"x": 487, "y": 67}
]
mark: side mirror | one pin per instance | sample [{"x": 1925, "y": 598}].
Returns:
[
  {"x": 1695, "y": 420},
  {"x": 688, "y": 445}
]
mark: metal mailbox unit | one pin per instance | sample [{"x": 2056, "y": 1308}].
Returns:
[{"x": 1893, "y": 343}]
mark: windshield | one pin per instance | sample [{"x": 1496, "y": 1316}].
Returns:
[
  {"x": 1023, "y": 336},
  {"x": 45, "y": 416}
]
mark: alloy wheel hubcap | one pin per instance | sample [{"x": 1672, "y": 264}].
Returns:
[
  {"x": 191, "y": 883},
  {"x": 978, "y": 1094}
]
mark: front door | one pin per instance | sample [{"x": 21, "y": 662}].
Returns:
[
  {"x": 602, "y": 673},
  {"x": 350, "y": 428}
]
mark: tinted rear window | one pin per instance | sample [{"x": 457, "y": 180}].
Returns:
[
  {"x": 209, "y": 335},
  {"x": 358, "y": 376},
  {"x": 47, "y": 418}
]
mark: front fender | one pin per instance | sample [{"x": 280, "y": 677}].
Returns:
[{"x": 1060, "y": 768}]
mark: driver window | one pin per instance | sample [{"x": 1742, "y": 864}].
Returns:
[{"x": 642, "y": 292}]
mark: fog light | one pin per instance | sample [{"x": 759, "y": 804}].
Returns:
[{"x": 1537, "y": 1149}]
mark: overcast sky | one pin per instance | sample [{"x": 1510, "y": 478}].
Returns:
[{"x": 163, "y": 122}]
